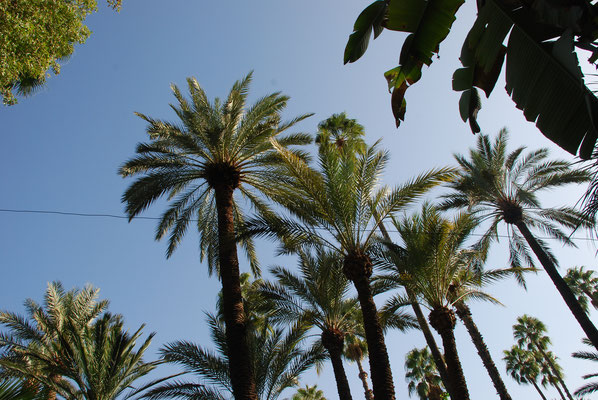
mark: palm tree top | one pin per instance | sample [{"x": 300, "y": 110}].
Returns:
[
  {"x": 215, "y": 144},
  {"x": 502, "y": 186}
]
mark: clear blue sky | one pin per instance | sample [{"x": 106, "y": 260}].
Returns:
[{"x": 62, "y": 147}]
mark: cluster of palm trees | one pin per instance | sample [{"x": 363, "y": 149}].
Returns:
[{"x": 225, "y": 158}]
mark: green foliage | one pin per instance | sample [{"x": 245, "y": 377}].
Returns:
[
  {"x": 542, "y": 72},
  {"x": 584, "y": 285},
  {"x": 421, "y": 373},
  {"x": 277, "y": 356},
  {"x": 35, "y": 36},
  {"x": 214, "y": 143},
  {"x": 592, "y": 386},
  {"x": 309, "y": 393},
  {"x": 522, "y": 365},
  {"x": 499, "y": 186},
  {"x": 68, "y": 347}
]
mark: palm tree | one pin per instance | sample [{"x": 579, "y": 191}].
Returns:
[
  {"x": 309, "y": 393},
  {"x": 317, "y": 297},
  {"x": 356, "y": 350},
  {"x": 501, "y": 187},
  {"x": 277, "y": 357},
  {"x": 422, "y": 375},
  {"x": 584, "y": 285},
  {"x": 31, "y": 343},
  {"x": 339, "y": 207},
  {"x": 523, "y": 367},
  {"x": 429, "y": 263},
  {"x": 592, "y": 386},
  {"x": 218, "y": 149},
  {"x": 68, "y": 349},
  {"x": 530, "y": 332},
  {"x": 344, "y": 133}
]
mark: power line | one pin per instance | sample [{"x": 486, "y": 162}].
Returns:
[{"x": 102, "y": 215}]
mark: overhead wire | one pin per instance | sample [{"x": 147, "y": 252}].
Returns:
[{"x": 115, "y": 216}]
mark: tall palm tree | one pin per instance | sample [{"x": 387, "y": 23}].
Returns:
[
  {"x": 592, "y": 386},
  {"x": 277, "y": 357},
  {"x": 584, "y": 285},
  {"x": 431, "y": 260},
  {"x": 503, "y": 187},
  {"x": 422, "y": 375},
  {"x": 523, "y": 367},
  {"x": 530, "y": 332},
  {"x": 340, "y": 205},
  {"x": 67, "y": 348},
  {"x": 355, "y": 351},
  {"x": 317, "y": 297},
  {"x": 217, "y": 149}
]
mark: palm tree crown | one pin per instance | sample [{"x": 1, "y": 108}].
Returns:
[
  {"x": 67, "y": 348},
  {"x": 219, "y": 143},
  {"x": 422, "y": 375},
  {"x": 344, "y": 200},
  {"x": 501, "y": 187}
]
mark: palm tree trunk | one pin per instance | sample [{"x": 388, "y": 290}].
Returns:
[
  {"x": 565, "y": 291},
  {"x": 555, "y": 373},
  {"x": 239, "y": 358},
  {"x": 369, "y": 395},
  {"x": 423, "y": 325},
  {"x": 538, "y": 389},
  {"x": 464, "y": 314},
  {"x": 358, "y": 269},
  {"x": 443, "y": 320},
  {"x": 333, "y": 341},
  {"x": 558, "y": 389},
  {"x": 431, "y": 342}
]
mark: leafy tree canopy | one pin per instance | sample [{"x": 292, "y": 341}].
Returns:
[{"x": 34, "y": 36}]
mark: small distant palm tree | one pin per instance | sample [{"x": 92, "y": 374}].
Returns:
[
  {"x": 503, "y": 187},
  {"x": 309, "y": 393},
  {"x": 530, "y": 332},
  {"x": 317, "y": 297},
  {"x": 584, "y": 285},
  {"x": 216, "y": 150},
  {"x": 523, "y": 367},
  {"x": 422, "y": 375},
  {"x": 356, "y": 350},
  {"x": 344, "y": 133},
  {"x": 592, "y": 386}
]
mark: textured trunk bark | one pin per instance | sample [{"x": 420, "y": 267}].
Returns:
[
  {"x": 369, "y": 395},
  {"x": 431, "y": 342},
  {"x": 443, "y": 320},
  {"x": 578, "y": 312},
  {"x": 538, "y": 389},
  {"x": 423, "y": 325},
  {"x": 555, "y": 374},
  {"x": 558, "y": 389},
  {"x": 378, "y": 355},
  {"x": 464, "y": 314},
  {"x": 239, "y": 356},
  {"x": 333, "y": 342}
]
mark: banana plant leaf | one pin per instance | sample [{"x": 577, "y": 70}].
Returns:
[{"x": 543, "y": 76}]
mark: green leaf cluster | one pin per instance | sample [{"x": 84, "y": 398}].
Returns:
[{"x": 34, "y": 36}]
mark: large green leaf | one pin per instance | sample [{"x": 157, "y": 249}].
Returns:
[
  {"x": 429, "y": 22},
  {"x": 370, "y": 19},
  {"x": 545, "y": 81}
]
